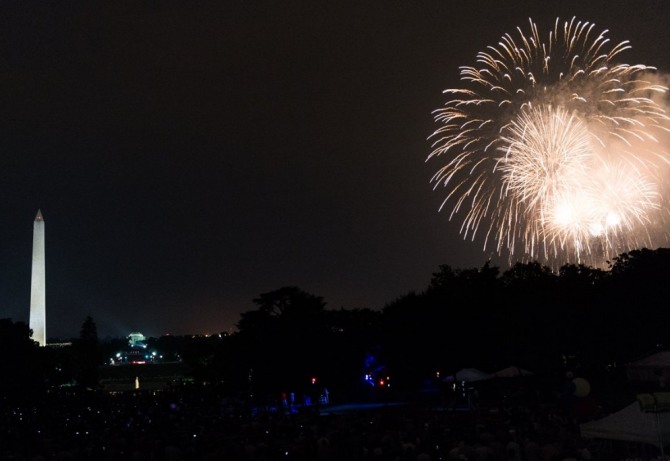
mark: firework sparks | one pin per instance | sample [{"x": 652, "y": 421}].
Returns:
[{"x": 555, "y": 151}]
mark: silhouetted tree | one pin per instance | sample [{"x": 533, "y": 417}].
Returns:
[
  {"x": 637, "y": 291},
  {"x": 21, "y": 361},
  {"x": 418, "y": 336},
  {"x": 444, "y": 279},
  {"x": 86, "y": 350},
  {"x": 583, "y": 310},
  {"x": 284, "y": 338}
]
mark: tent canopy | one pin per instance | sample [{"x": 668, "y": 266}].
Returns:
[
  {"x": 468, "y": 375},
  {"x": 658, "y": 360},
  {"x": 630, "y": 424},
  {"x": 512, "y": 372},
  {"x": 654, "y": 368}
]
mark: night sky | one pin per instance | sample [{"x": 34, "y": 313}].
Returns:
[{"x": 189, "y": 156}]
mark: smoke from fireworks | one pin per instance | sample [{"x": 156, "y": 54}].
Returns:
[{"x": 554, "y": 151}]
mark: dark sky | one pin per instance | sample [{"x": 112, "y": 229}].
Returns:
[{"x": 189, "y": 156}]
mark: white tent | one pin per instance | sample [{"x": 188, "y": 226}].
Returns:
[
  {"x": 630, "y": 424},
  {"x": 654, "y": 368},
  {"x": 468, "y": 375},
  {"x": 512, "y": 372}
]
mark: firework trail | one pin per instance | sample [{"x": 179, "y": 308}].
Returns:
[{"x": 554, "y": 151}]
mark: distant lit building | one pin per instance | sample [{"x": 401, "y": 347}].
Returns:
[
  {"x": 139, "y": 367},
  {"x": 136, "y": 352},
  {"x": 136, "y": 339}
]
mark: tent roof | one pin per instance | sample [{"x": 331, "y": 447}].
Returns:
[
  {"x": 659, "y": 359},
  {"x": 512, "y": 372},
  {"x": 630, "y": 424},
  {"x": 468, "y": 375}
]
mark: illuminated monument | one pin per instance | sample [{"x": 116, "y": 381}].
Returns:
[{"x": 38, "y": 285}]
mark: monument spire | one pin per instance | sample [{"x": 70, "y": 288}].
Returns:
[{"x": 37, "y": 284}]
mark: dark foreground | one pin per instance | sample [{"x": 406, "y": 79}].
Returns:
[{"x": 196, "y": 424}]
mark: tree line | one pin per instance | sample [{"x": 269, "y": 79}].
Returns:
[{"x": 527, "y": 316}]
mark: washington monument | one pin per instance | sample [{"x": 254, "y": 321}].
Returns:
[{"x": 37, "y": 285}]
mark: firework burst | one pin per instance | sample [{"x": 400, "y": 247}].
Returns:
[{"x": 554, "y": 150}]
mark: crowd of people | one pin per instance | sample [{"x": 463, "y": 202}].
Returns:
[{"x": 196, "y": 423}]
